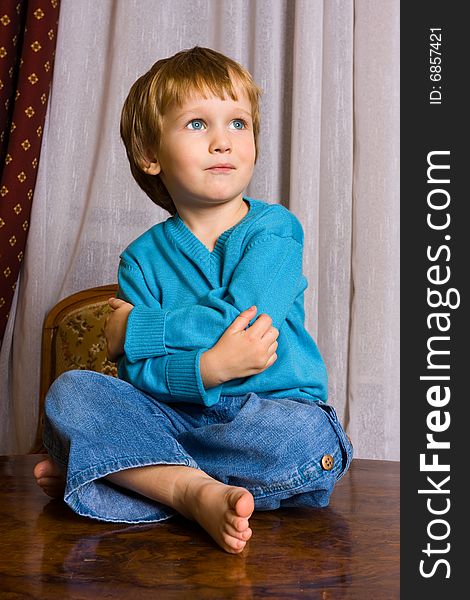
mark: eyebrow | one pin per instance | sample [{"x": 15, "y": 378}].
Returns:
[{"x": 198, "y": 109}]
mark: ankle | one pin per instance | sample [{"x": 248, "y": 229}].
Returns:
[{"x": 188, "y": 491}]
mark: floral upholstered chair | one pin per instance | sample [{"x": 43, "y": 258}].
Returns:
[{"x": 73, "y": 338}]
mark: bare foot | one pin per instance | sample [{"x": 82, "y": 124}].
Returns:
[
  {"x": 50, "y": 478},
  {"x": 222, "y": 510}
]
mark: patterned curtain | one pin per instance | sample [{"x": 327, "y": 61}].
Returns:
[{"x": 28, "y": 32}]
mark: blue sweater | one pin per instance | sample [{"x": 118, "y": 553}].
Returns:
[{"x": 185, "y": 297}]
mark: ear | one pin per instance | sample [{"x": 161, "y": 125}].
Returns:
[{"x": 151, "y": 167}]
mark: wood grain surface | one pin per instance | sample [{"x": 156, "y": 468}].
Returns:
[{"x": 349, "y": 550}]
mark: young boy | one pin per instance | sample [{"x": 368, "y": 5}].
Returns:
[{"x": 220, "y": 406}]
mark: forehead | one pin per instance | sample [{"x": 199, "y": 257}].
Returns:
[
  {"x": 204, "y": 96},
  {"x": 197, "y": 103}
]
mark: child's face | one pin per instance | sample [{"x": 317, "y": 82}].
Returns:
[{"x": 207, "y": 150}]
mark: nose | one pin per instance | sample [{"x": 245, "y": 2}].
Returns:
[{"x": 220, "y": 142}]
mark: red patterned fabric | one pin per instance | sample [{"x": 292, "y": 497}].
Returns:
[{"x": 28, "y": 33}]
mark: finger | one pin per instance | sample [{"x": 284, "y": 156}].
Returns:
[
  {"x": 261, "y": 326},
  {"x": 272, "y": 348},
  {"x": 111, "y": 354},
  {"x": 271, "y": 360},
  {"x": 271, "y": 334},
  {"x": 241, "y": 322},
  {"x": 115, "y": 302}
]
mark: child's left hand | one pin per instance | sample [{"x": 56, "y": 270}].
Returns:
[{"x": 115, "y": 327}]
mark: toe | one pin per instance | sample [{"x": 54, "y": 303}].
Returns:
[
  {"x": 52, "y": 490},
  {"x": 236, "y": 522},
  {"x": 241, "y": 501},
  {"x": 233, "y": 544},
  {"x": 49, "y": 482},
  {"x": 46, "y": 468},
  {"x": 245, "y": 505},
  {"x": 38, "y": 470},
  {"x": 235, "y": 533}
]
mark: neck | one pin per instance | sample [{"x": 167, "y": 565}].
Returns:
[{"x": 208, "y": 222}]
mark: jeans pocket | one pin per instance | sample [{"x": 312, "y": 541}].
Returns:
[{"x": 345, "y": 442}]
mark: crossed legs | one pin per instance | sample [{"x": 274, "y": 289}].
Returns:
[{"x": 222, "y": 510}]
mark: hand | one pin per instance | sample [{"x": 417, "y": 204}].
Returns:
[
  {"x": 115, "y": 327},
  {"x": 241, "y": 352}
]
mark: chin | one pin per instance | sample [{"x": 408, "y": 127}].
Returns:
[
  {"x": 220, "y": 198},
  {"x": 224, "y": 200}
]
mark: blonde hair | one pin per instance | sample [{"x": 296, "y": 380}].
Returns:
[{"x": 166, "y": 84}]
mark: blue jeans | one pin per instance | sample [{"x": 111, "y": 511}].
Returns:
[{"x": 285, "y": 451}]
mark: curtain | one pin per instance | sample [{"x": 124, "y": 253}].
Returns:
[
  {"x": 28, "y": 32},
  {"x": 329, "y": 152}
]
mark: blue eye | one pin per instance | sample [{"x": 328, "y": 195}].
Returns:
[
  {"x": 196, "y": 125},
  {"x": 238, "y": 124}
]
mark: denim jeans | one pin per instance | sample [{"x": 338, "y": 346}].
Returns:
[{"x": 274, "y": 447}]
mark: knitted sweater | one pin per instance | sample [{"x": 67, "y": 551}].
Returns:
[{"x": 185, "y": 297}]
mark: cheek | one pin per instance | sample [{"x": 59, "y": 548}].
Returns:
[
  {"x": 180, "y": 161},
  {"x": 249, "y": 151}
]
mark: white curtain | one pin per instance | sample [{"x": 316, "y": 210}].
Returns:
[{"x": 329, "y": 152}]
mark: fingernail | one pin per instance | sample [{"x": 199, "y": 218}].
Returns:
[{"x": 252, "y": 307}]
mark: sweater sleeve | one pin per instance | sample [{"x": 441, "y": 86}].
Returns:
[
  {"x": 269, "y": 275},
  {"x": 170, "y": 378}
]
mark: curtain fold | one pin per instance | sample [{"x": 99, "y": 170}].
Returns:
[
  {"x": 328, "y": 152},
  {"x": 28, "y": 32},
  {"x": 374, "y": 375}
]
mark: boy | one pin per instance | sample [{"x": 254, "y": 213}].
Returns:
[{"x": 217, "y": 411}]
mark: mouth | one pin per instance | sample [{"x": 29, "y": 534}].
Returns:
[{"x": 221, "y": 168}]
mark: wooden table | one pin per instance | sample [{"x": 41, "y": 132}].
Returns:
[{"x": 347, "y": 550}]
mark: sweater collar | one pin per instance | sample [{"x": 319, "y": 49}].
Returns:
[{"x": 189, "y": 242}]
